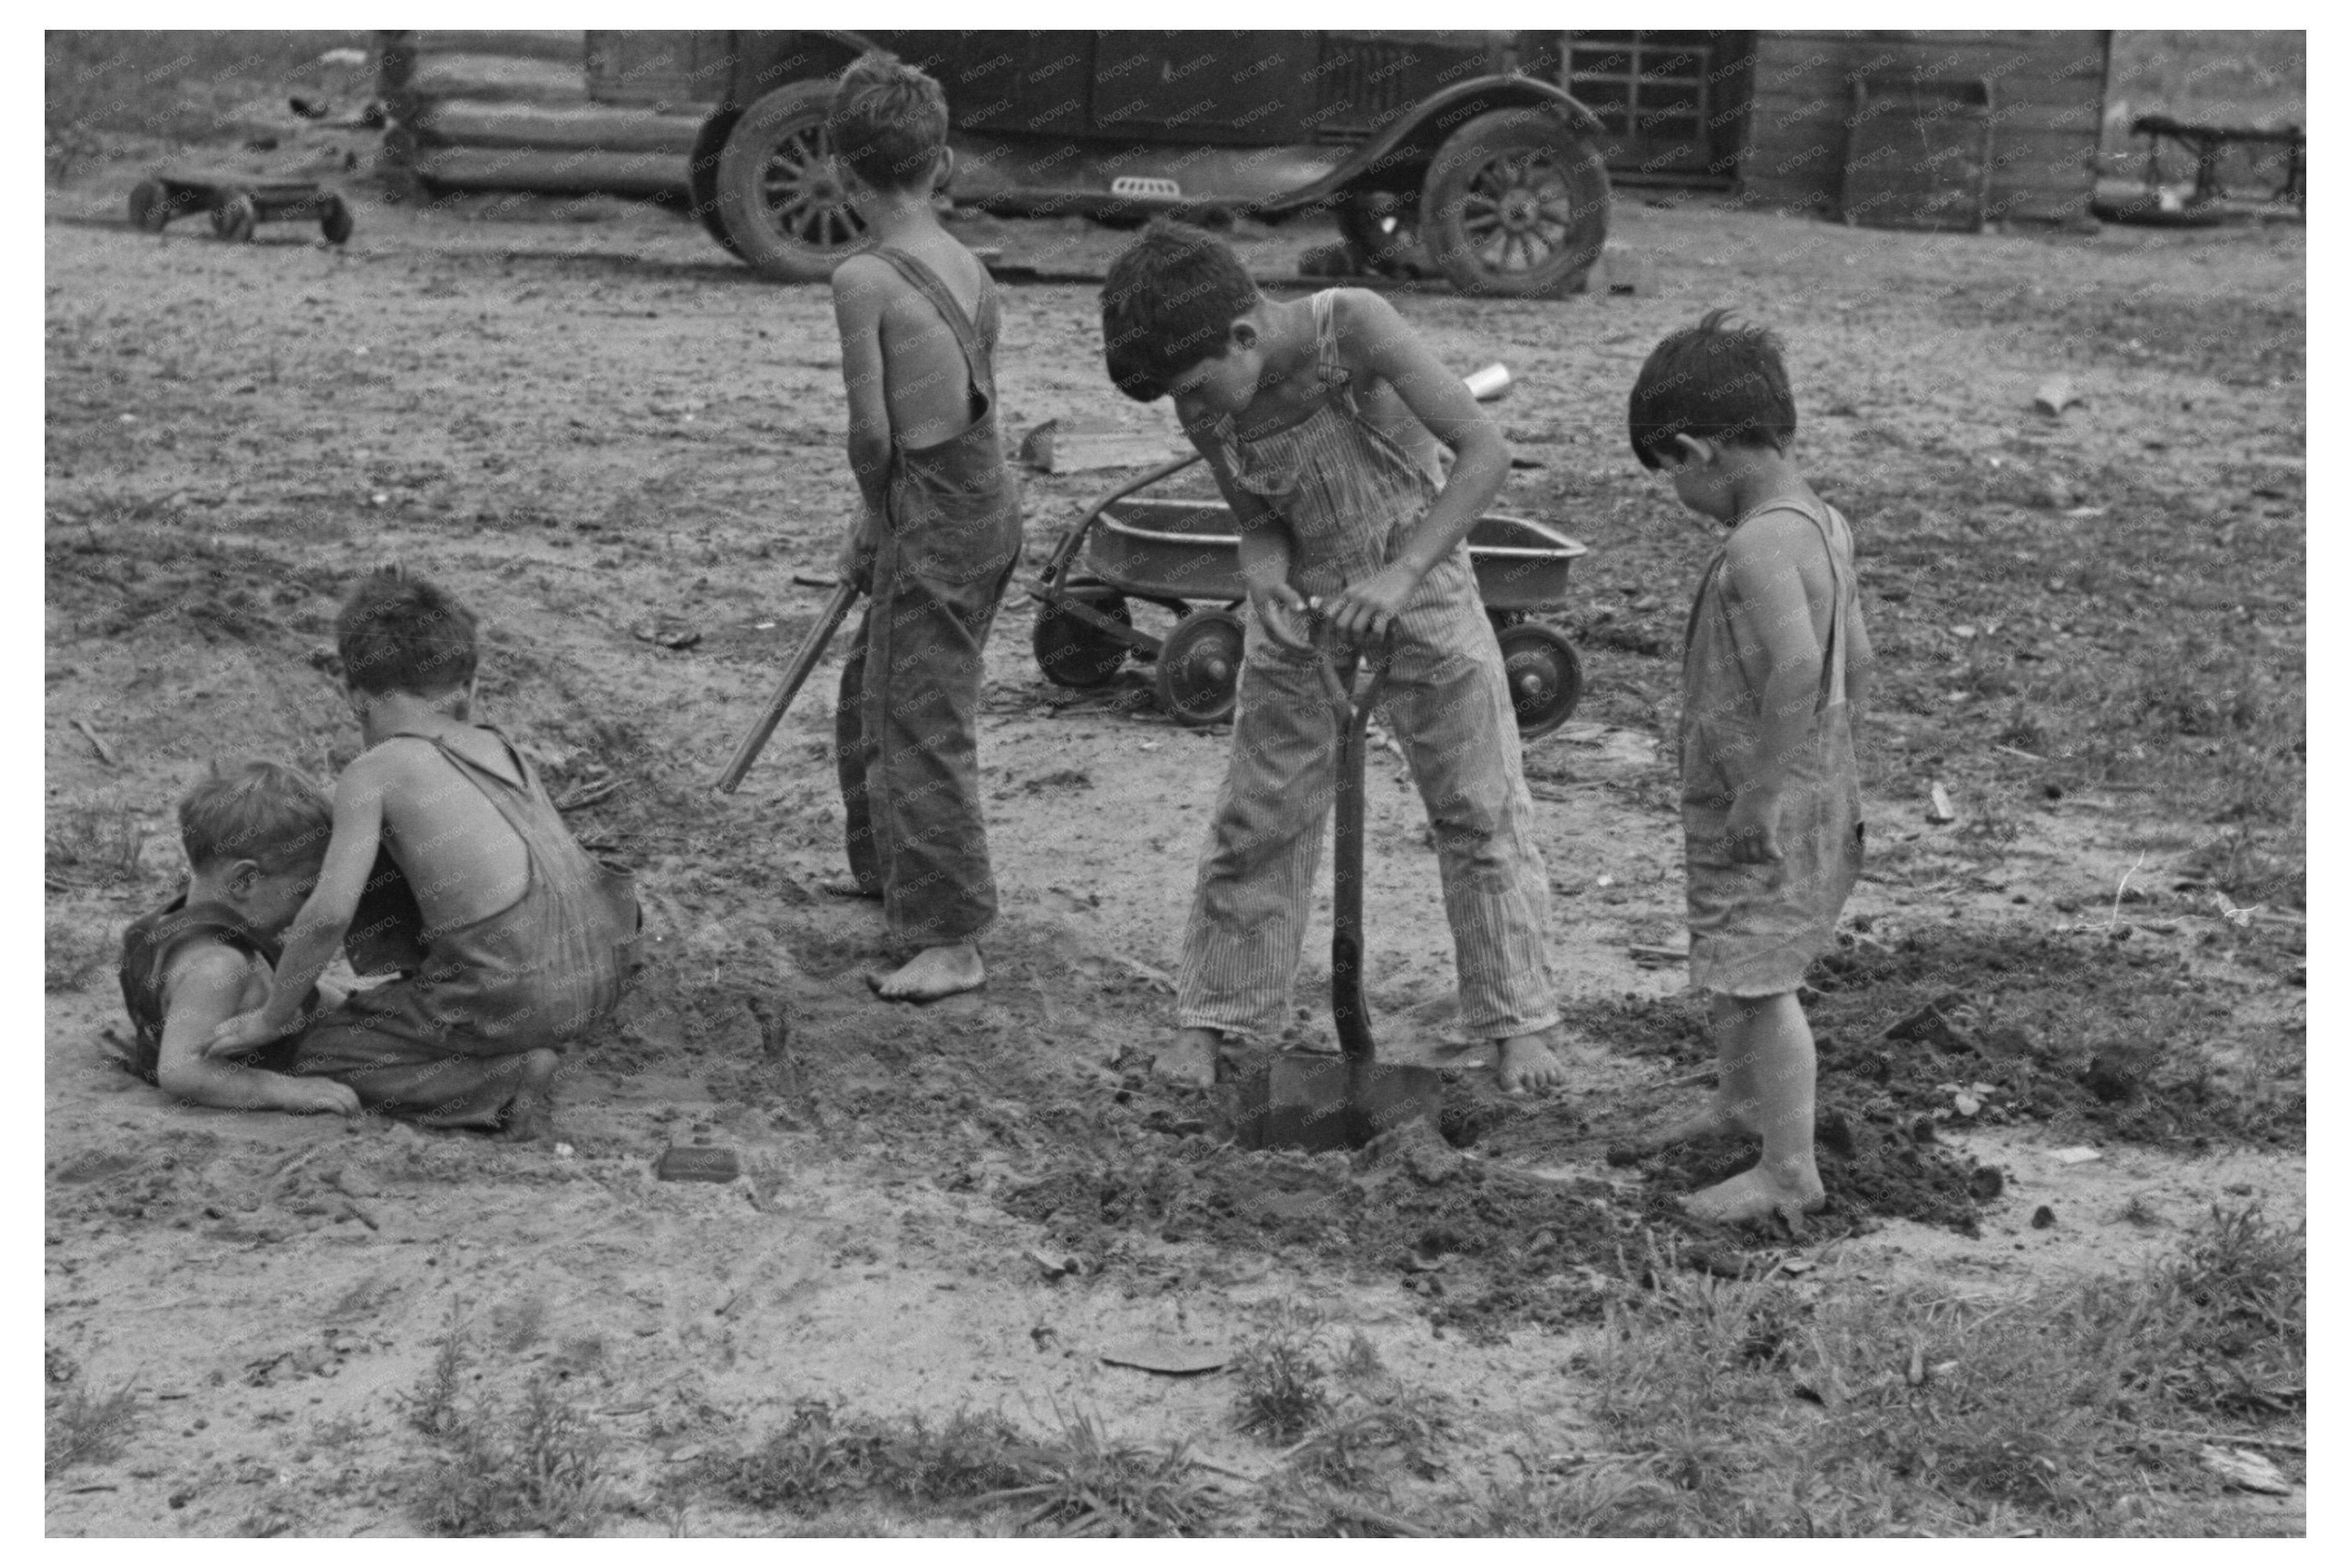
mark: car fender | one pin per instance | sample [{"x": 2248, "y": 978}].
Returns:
[{"x": 1394, "y": 159}]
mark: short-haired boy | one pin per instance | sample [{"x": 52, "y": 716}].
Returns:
[
  {"x": 1774, "y": 668},
  {"x": 255, "y": 837},
  {"x": 1321, "y": 419},
  {"x": 938, "y": 540},
  {"x": 517, "y": 941}
]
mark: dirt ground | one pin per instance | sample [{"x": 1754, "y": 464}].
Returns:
[{"x": 595, "y": 427}]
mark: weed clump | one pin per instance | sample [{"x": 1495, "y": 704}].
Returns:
[
  {"x": 497, "y": 1468},
  {"x": 1283, "y": 1381},
  {"x": 83, "y": 1427},
  {"x": 1742, "y": 1408}
]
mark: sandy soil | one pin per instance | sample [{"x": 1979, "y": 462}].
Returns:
[{"x": 589, "y": 423}]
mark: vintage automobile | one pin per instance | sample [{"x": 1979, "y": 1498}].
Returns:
[{"x": 1451, "y": 150}]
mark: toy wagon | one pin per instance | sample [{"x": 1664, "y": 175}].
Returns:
[
  {"x": 1182, "y": 555},
  {"x": 237, "y": 203}
]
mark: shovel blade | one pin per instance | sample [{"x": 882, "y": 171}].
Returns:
[{"x": 1321, "y": 1104}]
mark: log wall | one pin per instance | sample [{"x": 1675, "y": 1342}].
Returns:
[
  {"x": 2048, "y": 102},
  {"x": 510, "y": 111}
]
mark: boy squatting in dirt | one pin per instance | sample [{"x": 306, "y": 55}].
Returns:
[
  {"x": 938, "y": 540},
  {"x": 1774, "y": 667},
  {"x": 511, "y": 939},
  {"x": 254, "y": 838},
  {"x": 1321, "y": 419}
]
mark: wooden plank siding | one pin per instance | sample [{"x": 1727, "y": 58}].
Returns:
[{"x": 2048, "y": 103}]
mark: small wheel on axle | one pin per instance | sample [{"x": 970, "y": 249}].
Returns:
[
  {"x": 1546, "y": 678},
  {"x": 335, "y": 223},
  {"x": 235, "y": 216},
  {"x": 151, "y": 207},
  {"x": 1075, "y": 653},
  {"x": 1199, "y": 672}
]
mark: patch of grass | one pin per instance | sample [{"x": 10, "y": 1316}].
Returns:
[
  {"x": 69, "y": 956},
  {"x": 821, "y": 1458},
  {"x": 1742, "y": 1408},
  {"x": 83, "y": 1427},
  {"x": 534, "y": 1466},
  {"x": 823, "y": 1461},
  {"x": 93, "y": 845},
  {"x": 1283, "y": 1381},
  {"x": 1088, "y": 1483}
]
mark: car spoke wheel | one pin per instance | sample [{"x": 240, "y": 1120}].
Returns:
[
  {"x": 1515, "y": 204},
  {"x": 780, "y": 198},
  {"x": 1545, "y": 677},
  {"x": 1074, "y": 652},
  {"x": 1199, "y": 670}
]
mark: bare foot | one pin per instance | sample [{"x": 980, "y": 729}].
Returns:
[
  {"x": 1717, "y": 1120},
  {"x": 847, "y": 887},
  {"x": 1190, "y": 1059},
  {"x": 530, "y": 1116},
  {"x": 933, "y": 973},
  {"x": 1525, "y": 1064},
  {"x": 1756, "y": 1195}
]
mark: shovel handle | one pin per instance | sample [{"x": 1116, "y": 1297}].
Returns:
[
  {"x": 1351, "y": 1012},
  {"x": 796, "y": 674}
]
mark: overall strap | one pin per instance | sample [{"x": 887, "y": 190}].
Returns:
[
  {"x": 1328, "y": 367},
  {"x": 1831, "y": 686},
  {"x": 967, "y": 337},
  {"x": 506, "y": 788}
]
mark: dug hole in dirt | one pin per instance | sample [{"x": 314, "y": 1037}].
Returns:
[{"x": 618, "y": 450}]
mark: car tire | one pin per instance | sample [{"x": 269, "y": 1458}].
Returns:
[
  {"x": 777, "y": 195},
  {"x": 1515, "y": 204}
]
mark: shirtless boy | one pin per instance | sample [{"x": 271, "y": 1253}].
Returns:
[
  {"x": 936, "y": 542},
  {"x": 1776, "y": 666},
  {"x": 254, "y": 838},
  {"x": 512, "y": 940}
]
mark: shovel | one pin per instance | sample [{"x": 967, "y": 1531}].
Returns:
[{"x": 1312, "y": 1102}]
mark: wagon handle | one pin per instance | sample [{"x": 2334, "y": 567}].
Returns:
[{"x": 1051, "y": 574}]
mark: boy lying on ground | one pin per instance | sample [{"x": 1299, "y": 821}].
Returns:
[
  {"x": 515, "y": 941},
  {"x": 254, "y": 838}
]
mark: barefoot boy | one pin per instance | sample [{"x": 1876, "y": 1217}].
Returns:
[
  {"x": 254, "y": 838},
  {"x": 938, "y": 541},
  {"x": 520, "y": 941},
  {"x": 1322, "y": 418},
  {"x": 1773, "y": 671}
]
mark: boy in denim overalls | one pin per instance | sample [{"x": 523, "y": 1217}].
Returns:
[{"x": 1322, "y": 418}]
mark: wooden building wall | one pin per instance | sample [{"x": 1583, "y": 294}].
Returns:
[{"x": 2048, "y": 99}]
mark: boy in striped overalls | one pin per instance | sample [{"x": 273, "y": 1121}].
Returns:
[{"x": 1321, "y": 419}]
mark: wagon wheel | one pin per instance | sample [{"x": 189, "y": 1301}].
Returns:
[
  {"x": 1199, "y": 670},
  {"x": 1546, "y": 678},
  {"x": 1515, "y": 204},
  {"x": 1382, "y": 234},
  {"x": 335, "y": 223},
  {"x": 151, "y": 207},
  {"x": 1072, "y": 652},
  {"x": 777, "y": 193},
  {"x": 235, "y": 216}
]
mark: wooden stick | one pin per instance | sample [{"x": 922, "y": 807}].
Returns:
[
  {"x": 96, "y": 743},
  {"x": 828, "y": 622},
  {"x": 2241, "y": 1439}
]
